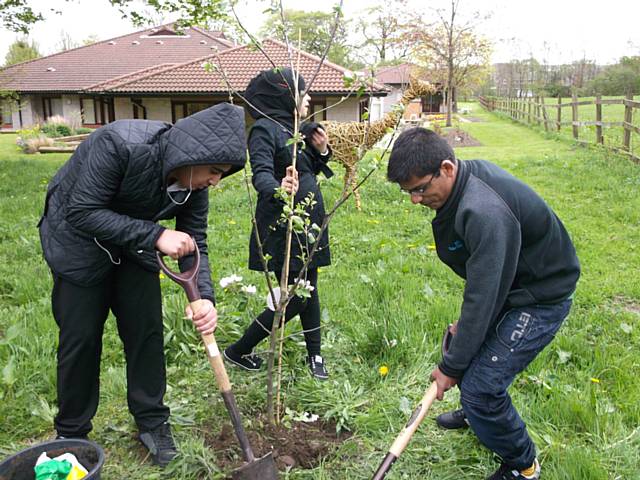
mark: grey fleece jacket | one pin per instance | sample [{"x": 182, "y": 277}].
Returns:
[{"x": 499, "y": 235}]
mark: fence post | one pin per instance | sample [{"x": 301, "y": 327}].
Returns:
[
  {"x": 544, "y": 114},
  {"x": 599, "y": 138},
  {"x": 559, "y": 121},
  {"x": 574, "y": 114},
  {"x": 628, "y": 121},
  {"x": 536, "y": 109},
  {"x": 529, "y": 110}
]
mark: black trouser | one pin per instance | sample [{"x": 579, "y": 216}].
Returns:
[
  {"x": 307, "y": 308},
  {"x": 133, "y": 295}
]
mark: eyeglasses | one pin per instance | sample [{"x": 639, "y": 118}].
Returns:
[{"x": 420, "y": 189}]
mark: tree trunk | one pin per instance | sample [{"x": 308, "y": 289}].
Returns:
[{"x": 449, "y": 97}]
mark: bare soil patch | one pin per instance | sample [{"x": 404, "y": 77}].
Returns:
[
  {"x": 303, "y": 445},
  {"x": 459, "y": 138},
  {"x": 627, "y": 305}
]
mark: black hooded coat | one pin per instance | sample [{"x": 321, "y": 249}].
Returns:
[
  {"x": 103, "y": 204},
  {"x": 270, "y": 156}
]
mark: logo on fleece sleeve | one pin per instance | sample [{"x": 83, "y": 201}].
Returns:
[{"x": 455, "y": 245}]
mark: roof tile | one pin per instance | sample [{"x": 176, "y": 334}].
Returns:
[
  {"x": 239, "y": 65},
  {"x": 80, "y": 68}
]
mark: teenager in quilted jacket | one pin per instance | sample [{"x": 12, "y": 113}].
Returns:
[
  {"x": 99, "y": 234},
  {"x": 272, "y": 105}
]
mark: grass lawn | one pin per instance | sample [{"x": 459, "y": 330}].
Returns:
[
  {"x": 385, "y": 300},
  {"x": 613, "y": 136}
]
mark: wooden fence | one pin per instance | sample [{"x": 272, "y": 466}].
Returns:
[{"x": 534, "y": 111}]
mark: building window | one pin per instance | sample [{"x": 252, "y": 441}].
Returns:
[
  {"x": 181, "y": 109},
  {"x": 317, "y": 110},
  {"x": 139, "y": 110},
  {"x": 97, "y": 110},
  {"x": 88, "y": 109},
  {"x": 7, "y": 119},
  {"x": 51, "y": 106},
  {"x": 431, "y": 103},
  {"x": 363, "y": 107}
]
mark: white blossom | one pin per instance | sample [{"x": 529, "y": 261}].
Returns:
[
  {"x": 249, "y": 289},
  {"x": 305, "y": 285},
  {"x": 230, "y": 280}
]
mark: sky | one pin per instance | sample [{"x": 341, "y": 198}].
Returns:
[{"x": 558, "y": 31}]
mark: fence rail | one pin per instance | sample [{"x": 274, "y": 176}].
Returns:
[{"x": 535, "y": 111}]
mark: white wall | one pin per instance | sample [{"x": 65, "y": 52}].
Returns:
[
  {"x": 347, "y": 111},
  {"x": 392, "y": 98},
  {"x": 123, "y": 108},
  {"x": 158, "y": 108},
  {"x": 376, "y": 108}
]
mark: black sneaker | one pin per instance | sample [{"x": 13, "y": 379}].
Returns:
[
  {"x": 249, "y": 361},
  {"x": 316, "y": 365},
  {"x": 160, "y": 444},
  {"x": 453, "y": 420},
  {"x": 505, "y": 472}
]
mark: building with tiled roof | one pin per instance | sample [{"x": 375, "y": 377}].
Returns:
[
  {"x": 396, "y": 78},
  {"x": 160, "y": 75}
]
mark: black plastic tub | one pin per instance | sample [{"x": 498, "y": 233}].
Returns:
[{"x": 20, "y": 466}]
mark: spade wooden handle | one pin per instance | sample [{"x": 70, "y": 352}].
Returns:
[{"x": 213, "y": 353}]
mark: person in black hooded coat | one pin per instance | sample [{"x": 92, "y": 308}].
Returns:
[
  {"x": 271, "y": 103},
  {"x": 99, "y": 236}
]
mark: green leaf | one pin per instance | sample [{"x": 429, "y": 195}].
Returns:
[{"x": 297, "y": 224}]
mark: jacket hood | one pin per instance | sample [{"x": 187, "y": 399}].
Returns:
[
  {"x": 215, "y": 135},
  {"x": 270, "y": 92}
]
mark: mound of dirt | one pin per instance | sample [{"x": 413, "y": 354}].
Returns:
[
  {"x": 459, "y": 138},
  {"x": 303, "y": 445}
]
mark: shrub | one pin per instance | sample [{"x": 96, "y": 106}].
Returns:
[
  {"x": 56, "y": 130},
  {"x": 83, "y": 130},
  {"x": 57, "y": 126}
]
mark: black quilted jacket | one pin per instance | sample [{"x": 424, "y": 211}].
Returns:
[
  {"x": 270, "y": 156},
  {"x": 103, "y": 204}
]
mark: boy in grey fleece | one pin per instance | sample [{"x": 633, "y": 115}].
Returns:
[{"x": 520, "y": 269}]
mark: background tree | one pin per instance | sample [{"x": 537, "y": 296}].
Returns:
[
  {"x": 20, "y": 51},
  {"x": 316, "y": 28},
  {"x": 17, "y": 16},
  {"x": 381, "y": 27},
  {"x": 190, "y": 12},
  {"x": 207, "y": 14},
  {"x": 618, "y": 79},
  {"x": 66, "y": 42},
  {"x": 450, "y": 50},
  {"x": 91, "y": 39}
]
